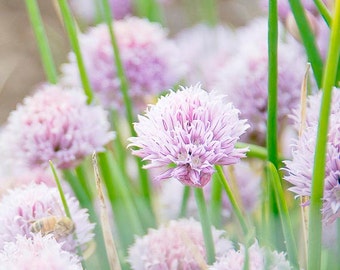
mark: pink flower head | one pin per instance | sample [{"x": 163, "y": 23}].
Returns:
[
  {"x": 192, "y": 130},
  {"x": 54, "y": 124},
  {"x": 259, "y": 259},
  {"x": 244, "y": 78},
  {"x": 151, "y": 61},
  {"x": 37, "y": 253},
  {"x": 23, "y": 206},
  {"x": 208, "y": 50},
  {"x": 177, "y": 245},
  {"x": 300, "y": 168},
  {"x": 88, "y": 10}
]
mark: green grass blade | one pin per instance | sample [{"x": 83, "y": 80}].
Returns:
[
  {"x": 40, "y": 35},
  {"x": 284, "y": 215},
  {"x": 308, "y": 39},
  {"x": 315, "y": 217},
  {"x": 73, "y": 36}
]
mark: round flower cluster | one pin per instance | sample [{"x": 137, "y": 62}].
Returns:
[
  {"x": 192, "y": 130},
  {"x": 177, "y": 245},
  {"x": 37, "y": 253},
  {"x": 244, "y": 78},
  {"x": 300, "y": 168},
  {"x": 54, "y": 124},
  {"x": 150, "y": 60},
  {"x": 208, "y": 50},
  {"x": 22, "y": 207},
  {"x": 259, "y": 259}
]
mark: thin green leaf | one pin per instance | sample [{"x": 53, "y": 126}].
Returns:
[{"x": 315, "y": 216}]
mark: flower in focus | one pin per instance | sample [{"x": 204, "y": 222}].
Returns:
[
  {"x": 54, "y": 124},
  {"x": 245, "y": 183},
  {"x": 205, "y": 49},
  {"x": 151, "y": 62},
  {"x": 259, "y": 259},
  {"x": 37, "y": 253},
  {"x": 88, "y": 10},
  {"x": 177, "y": 245},
  {"x": 23, "y": 206},
  {"x": 191, "y": 130},
  {"x": 300, "y": 168},
  {"x": 244, "y": 78}
]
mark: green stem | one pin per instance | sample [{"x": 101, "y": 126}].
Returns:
[
  {"x": 127, "y": 101},
  {"x": 234, "y": 205},
  {"x": 40, "y": 35},
  {"x": 284, "y": 214},
  {"x": 83, "y": 179},
  {"x": 206, "y": 226},
  {"x": 149, "y": 9},
  {"x": 315, "y": 216},
  {"x": 272, "y": 83},
  {"x": 185, "y": 200},
  {"x": 73, "y": 36},
  {"x": 216, "y": 202},
  {"x": 324, "y": 11},
  {"x": 209, "y": 11},
  {"x": 308, "y": 39}
]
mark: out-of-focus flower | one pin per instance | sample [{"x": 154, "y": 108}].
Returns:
[
  {"x": 245, "y": 182},
  {"x": 177, "y": 245},
  {"x": 259, "y": 259},
  {"x": 24, "y": 177},
  {"x": 300, "y": 168},
  {"x": 37, "y": 253},
  {"x": 205, "y": 49},
  {"x": 89, "y": 10},
  {"x": 23, "y": 206},
  {"x": 151, "y": 62},
  {"x": 191, "y": 130},
  {"x": 245, "y": 78},
  {"x": 54, "y": 124}
]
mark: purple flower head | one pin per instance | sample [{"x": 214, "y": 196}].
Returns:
[
  {"x": 177, "y": 245},
  {"x": 87, "y": 10},
  {"x": 209, "y": 49},
  {"x": 37, "y": 253},
  {"x": 244, "y": 78},
  {"x": 22, "y": 207},
  {"x": 192, "y": 130},
  {"x": 300, "y": 168},
  {"x": 259, "y": 259},
  {"x": 54, "y": 124},
  {"x": 151, "y": 62}
]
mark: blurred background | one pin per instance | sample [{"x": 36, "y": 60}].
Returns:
[{"x": 20, "y": 66}]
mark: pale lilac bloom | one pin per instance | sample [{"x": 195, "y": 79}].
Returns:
[
  {"x": 244, "y": 78},
  {"x": 54, "y": 124},
  {"x": 300, "y": 168},
  {"x": 22, "y": 206},
  {"x": 176, "y": 245},
  {"x": 246, "y": 185},
  {"x": 192, "y": 130},
  {"x": 37, "y": 253},
  {"x": 259, "y": 259},
  {"x": 89, "y": 10},
  {"x": 151, "y": 62},
  {"x": 205, "y": 49}
]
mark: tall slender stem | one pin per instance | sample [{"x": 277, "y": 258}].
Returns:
[
  {"x": 206, "y": 226},
  {"x": 315, "y": 216},
  {"x": 40, "y": 35}
]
